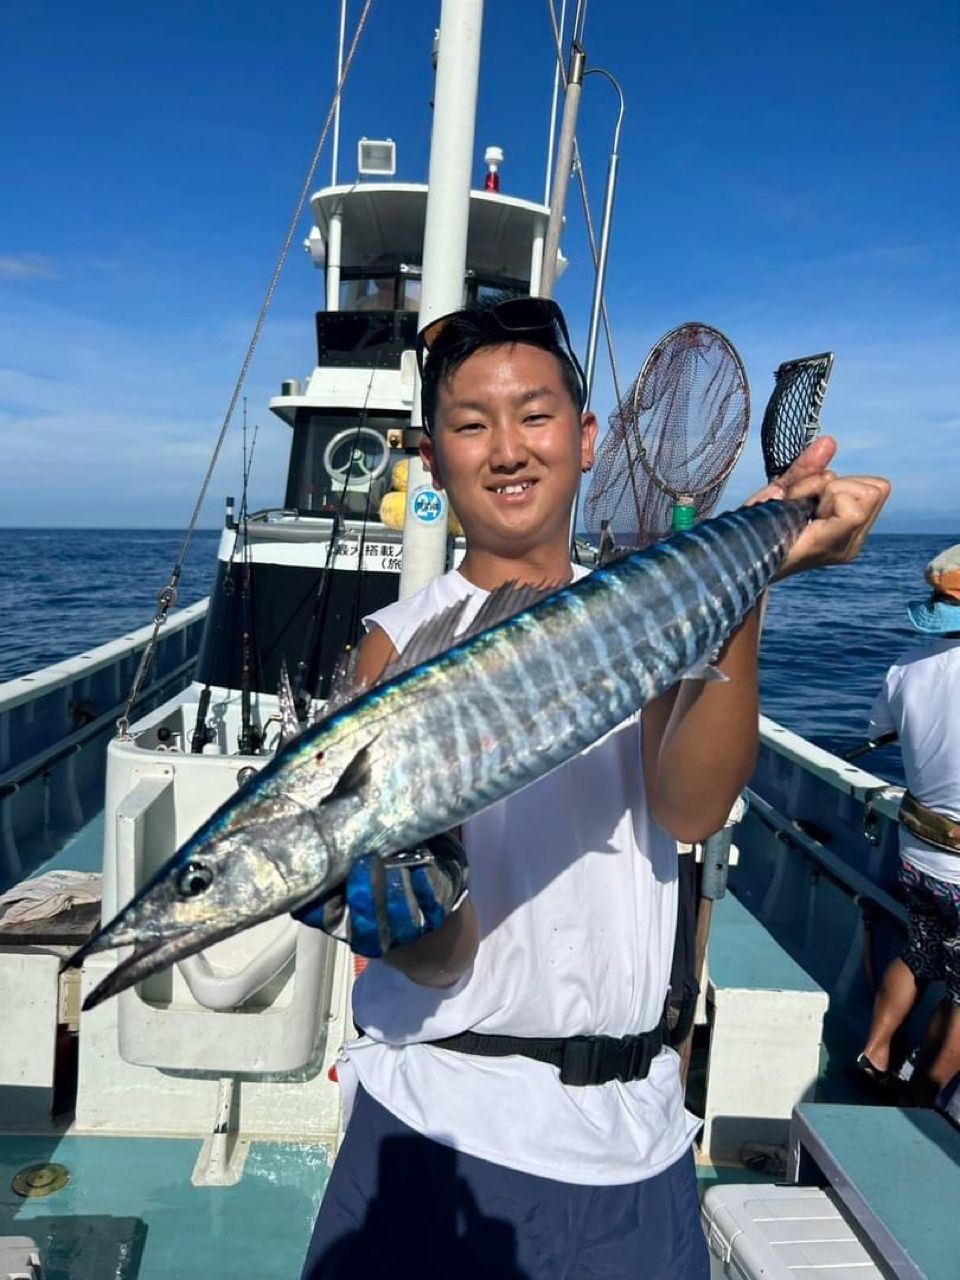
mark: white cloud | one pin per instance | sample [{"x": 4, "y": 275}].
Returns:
[
  {"x": 107, "y": 425},
  {"x": 26, "y": 266}
]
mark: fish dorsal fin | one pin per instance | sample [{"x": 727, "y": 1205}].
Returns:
[
  {"x": 354, "y": 777},
  {"x": 290, "y": 726},
  {"x": 344, "y": 686},
  {"x": 442, "y": 632}
]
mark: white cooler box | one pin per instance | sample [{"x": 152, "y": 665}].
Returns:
[{"x": 760, "y": 1231}]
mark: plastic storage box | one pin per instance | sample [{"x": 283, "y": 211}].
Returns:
[{"x": 761, "y": 1231}]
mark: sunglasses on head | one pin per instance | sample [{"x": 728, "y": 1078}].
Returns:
[{"x": 536, "y": 320}]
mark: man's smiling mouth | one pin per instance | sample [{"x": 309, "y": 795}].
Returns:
[{"x": 517, "y": 487}]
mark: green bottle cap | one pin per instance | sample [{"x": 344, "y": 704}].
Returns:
[{"x": 684, "y": 515}]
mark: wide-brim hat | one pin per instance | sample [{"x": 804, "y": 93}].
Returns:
[
  {"x": 934, "y": 617},
  {"x": 939, "y": 614}
]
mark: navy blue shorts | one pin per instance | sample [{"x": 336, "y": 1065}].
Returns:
[{"x": 398, "y": 1204}]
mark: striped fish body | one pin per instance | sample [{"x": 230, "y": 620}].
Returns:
[
  {"x": 434, "y": 745},
  {"x": 496, "y": 712}
]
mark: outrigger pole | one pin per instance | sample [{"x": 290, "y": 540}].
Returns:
[
  {"x": 444, "y": 262},
  {"x": 564, "y": 165}
]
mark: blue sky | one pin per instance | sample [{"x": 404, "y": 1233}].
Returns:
[{"x": 789, "y": 174}]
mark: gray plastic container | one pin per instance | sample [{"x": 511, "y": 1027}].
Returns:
[{"x": 761, "y": 1231}]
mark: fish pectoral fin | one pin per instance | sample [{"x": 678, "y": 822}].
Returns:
[
  {"x": 708, "y": 673},
  {"x": 354, "y": 777}
]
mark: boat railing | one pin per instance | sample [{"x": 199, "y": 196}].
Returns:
[
  {"x": 54, "y": 727},
  {"x": 847, "y": 877}
]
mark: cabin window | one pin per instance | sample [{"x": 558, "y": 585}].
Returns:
[
  {"x": 369, "y": 293},
  {"x": 487, "y": 294},
  {"x": 410, "y": 291},
  {"x": 394, "y": 292},
  {"x": 341, "y": 463}
]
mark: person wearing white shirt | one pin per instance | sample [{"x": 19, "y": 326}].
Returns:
[
  {"x": 920, "y": 703},
  {"x": 516, "y": 1108}
]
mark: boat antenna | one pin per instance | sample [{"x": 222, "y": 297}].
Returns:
[
  {"x": 168, "y": 595},
  {"x": 250, "y": 736},
  {"x": 564, "y": 165},
  {"x": 335, "y": 145},
  {"x": 558, "y": 80},
  {"x": 585, "y": 203}
]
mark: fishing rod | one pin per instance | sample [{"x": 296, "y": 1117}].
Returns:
[
  {"x": 882, "y": 740},
  {"x": 250, "y": 737},
  {"x": 306, "y": 678},
  {"x": 202, "y": 733}
]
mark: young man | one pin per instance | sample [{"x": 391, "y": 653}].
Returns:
[{"x": 516, "y": 1112}]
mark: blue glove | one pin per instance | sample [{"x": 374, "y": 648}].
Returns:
[{"x": 386, "y": 902}]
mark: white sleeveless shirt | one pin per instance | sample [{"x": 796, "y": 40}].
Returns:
[{"x": 575, "y": 890}]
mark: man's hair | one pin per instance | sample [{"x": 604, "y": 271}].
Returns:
[{"x": 474, "y": 329}]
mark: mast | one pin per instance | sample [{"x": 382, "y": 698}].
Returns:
[
  {"x": 444, "y": 258},
  {"x": 565, "y": 153}
]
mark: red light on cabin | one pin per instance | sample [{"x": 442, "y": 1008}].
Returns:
[{"x": 493, "y": 159}]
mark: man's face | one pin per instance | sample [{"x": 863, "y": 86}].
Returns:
[{"x": 509, "y": 447}]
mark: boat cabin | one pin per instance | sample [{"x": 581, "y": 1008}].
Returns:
[{"x": 332, "y": 552}]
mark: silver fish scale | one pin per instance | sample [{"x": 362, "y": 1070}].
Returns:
[{"x": 504, "y": 708}]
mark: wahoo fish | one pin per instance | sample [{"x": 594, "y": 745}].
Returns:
[{"x": 464, "y": 718}]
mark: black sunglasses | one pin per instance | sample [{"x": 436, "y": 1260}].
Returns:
[{"x": 538, "y": 320}]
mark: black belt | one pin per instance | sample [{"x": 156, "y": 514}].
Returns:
[{"x": 582, "y": 1060}]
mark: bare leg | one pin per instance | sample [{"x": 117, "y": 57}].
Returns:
[
  {"x": 947, "y": 1062},
  {"x": 933, "y": 1036},
  {"x": 899, "y": 992}
]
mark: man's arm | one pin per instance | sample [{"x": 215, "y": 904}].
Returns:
[
  {"x": 700, "y": 741},
  {"x": 440, "y": 958}
]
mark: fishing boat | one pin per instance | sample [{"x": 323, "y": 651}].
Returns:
[{"x": 187, "y": 1127}]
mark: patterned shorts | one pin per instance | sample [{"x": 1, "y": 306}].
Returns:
[{"x": 933, "y": 942}]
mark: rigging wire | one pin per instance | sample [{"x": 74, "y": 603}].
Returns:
[{"x": 168, "y": 595}]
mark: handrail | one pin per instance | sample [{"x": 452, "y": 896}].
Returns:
[
  {"x": 13, "y": 779},
  {"x": 223, "y": 991},
  {"x": 857, "y": 884},
  {"x": 216, "y": 991},
  {"x": 58, "y": 675}
]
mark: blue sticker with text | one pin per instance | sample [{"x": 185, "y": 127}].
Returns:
[{"x": 427, "y": 504}]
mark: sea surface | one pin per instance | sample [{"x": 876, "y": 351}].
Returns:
[{"x": 828, "y": 638}]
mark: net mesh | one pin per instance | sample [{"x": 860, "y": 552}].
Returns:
[
  {"x": 792, "y": 416},
  {"x": 676, "y": 433}
]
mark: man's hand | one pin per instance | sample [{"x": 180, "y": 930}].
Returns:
[
  {"x": 846, "y": 511},
  {"x": 389, "y": 903}
]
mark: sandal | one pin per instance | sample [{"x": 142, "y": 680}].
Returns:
[{"x": 882, "y": 1083}]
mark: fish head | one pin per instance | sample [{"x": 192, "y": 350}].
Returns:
[{"x": 236, "y": 871}]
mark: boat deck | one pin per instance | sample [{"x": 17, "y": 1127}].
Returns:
[{"x": 130, "y": 1211}]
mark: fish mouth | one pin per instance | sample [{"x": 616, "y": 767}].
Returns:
[{"x": 148, "y": 957}]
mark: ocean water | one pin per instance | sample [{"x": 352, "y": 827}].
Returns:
[
  {"x": 828, "y": 638},
  {"x": 63, "y": 591}
]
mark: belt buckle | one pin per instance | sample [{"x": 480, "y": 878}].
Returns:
[{"x": 580, "y": 1060}]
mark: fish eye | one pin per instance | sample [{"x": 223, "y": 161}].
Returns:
[{"x": 194, "y": 879}]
